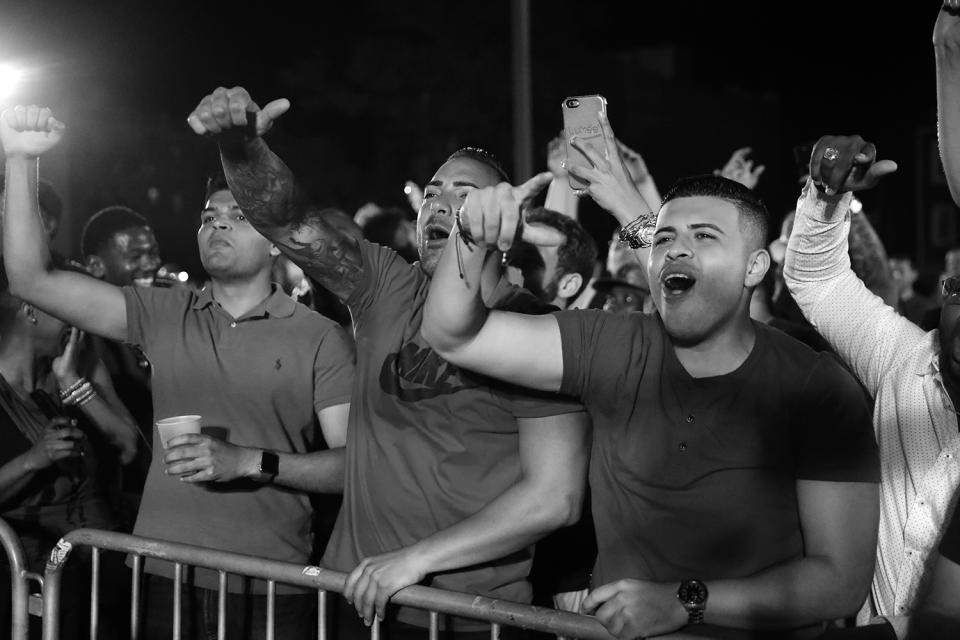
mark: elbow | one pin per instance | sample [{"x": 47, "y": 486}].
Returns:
[
  {"x": 439, "y": 340},
  {"x": 562, "y": 510},
  {"x": 128, "y": 451},
  {"x": 850, "y": 592}
]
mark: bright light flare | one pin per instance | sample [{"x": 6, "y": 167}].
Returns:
[
  {"x": 856, "y": 206},
  {"x": 9, "y": 79}
]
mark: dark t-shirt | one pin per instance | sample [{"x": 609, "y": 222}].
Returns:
[
  {"x": 429, "y": 444},
  {"x": 697, "y": 477}
]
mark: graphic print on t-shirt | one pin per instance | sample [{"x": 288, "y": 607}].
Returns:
[{"x": 418, "y": 373}]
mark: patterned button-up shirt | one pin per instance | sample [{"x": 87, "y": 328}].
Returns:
[{"x": 914, "y": 419}]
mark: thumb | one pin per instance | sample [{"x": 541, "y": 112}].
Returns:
[
  {"x": 533, "y": 186},
  {"x": 541, "y": 235},
  {"x": 882, "y": 168},
  {"x": 270, "y": 112}
]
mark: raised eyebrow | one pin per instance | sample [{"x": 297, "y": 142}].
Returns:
[
  {"x": 665, "y": 230},
  {"x": 464, "y": 183}
]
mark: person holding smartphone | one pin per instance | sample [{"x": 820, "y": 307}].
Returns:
[{"x": 734, "y": 470}]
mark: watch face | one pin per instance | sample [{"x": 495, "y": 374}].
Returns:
[
  {"x": 269, "y": 463},
  {"x": 692, "y": 592}
]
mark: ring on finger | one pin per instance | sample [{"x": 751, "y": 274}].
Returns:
[{"x": 830, "y": 154}]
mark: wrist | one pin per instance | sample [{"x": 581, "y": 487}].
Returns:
[
  {"x": 67, "y": 380},
  {"x": 262, "y": 465},
  {"x": 20, "y": 158}
]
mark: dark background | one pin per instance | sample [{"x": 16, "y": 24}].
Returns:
[{"x": 382, "y": 92}]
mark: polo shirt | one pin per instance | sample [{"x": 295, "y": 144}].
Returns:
[{"x": 257, "y": 381}]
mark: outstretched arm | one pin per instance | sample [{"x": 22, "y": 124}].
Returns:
[
  {"x": 522, "y": 349},
  {"x": 267, "y": 192},
  {"x": 79, "y": 300}
]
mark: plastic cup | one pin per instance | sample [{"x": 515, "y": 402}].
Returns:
[{"x": 177, "y": 425}]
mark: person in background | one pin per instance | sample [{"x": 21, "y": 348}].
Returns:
[
  {"x": 556, "y": 275},
  {"x": 627, "y": 291},
  {"x": 118, "y": 246},
  {"x": 911, "y": 304},
  {"x": 62, "y": 428}
]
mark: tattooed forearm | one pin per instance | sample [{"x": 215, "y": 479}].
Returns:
[
  {"x": 267, "y": 192},
  {"x": 264, "y": 186},
  {"x": 327, "y": 255}
]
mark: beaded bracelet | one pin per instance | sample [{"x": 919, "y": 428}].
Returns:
[
  {"x": 638, "y": 233},
  {"x": 86, "y": 398},
  {"x": 76, "y": 385},
  {"x": 84, "y": 389}
]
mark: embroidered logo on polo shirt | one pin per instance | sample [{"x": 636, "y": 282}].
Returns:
[{"x": 418, "y": 373}]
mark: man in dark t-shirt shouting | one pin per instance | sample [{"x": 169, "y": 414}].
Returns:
[
  {"x": 450, "y": 476},
  {"x": 734, "y": 472}
]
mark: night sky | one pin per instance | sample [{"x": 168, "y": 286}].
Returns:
[{"x": 383, "y": 92}]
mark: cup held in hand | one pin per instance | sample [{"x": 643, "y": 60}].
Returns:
[{"x": 170, "y": 428}]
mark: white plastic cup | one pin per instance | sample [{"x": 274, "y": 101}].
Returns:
[{"x": 176, "y": 426}]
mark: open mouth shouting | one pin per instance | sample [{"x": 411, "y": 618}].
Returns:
[
  {"x": 436, "y": 231},
  {"x": 676, "y": 281}
]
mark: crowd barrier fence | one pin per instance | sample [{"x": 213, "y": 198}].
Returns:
[{"x": 436, "y": 601}]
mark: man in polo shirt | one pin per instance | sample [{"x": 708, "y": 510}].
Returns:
[
  {"x": 261, "y": 370},
  {"x": 733, "y": 472},
  {"x": 450, "y": 477}
]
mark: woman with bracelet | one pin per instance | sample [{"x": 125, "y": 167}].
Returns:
[{"x": 62, "y": 433}]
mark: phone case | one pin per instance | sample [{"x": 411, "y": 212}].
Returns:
[{"x": 581, "y": 118}]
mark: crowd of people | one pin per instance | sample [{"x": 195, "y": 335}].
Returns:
[{"x": 712, "y": 427}]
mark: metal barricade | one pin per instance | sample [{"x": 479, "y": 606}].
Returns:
[
  {"x": 436, "y": 601},
  {"x": 20, "y": 578}
]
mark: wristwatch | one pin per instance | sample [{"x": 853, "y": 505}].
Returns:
[
  {"x": 268, "y": 467},
  {"x": 692, "y": 594}
]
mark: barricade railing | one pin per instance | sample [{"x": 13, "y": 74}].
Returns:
[
  {"x": 20, "y": 577},
  {"x": 436, "y": 601}
]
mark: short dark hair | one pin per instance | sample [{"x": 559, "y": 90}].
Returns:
[
  {"x": 579, "y": 253},
  {"x": 754, "y": 218},
  {"x": 104, "y": 224},
  {"x": 482, "y": 156}
]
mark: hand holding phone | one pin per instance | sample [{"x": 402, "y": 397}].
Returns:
[{"x": 581, "y": 119}]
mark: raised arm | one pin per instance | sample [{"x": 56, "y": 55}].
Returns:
[
  {"x": 946, "y": 47},
  {"x": 267, "y": 192},
  {"x": 104, "y": 408},
  {"x": 79, "y": 300},
  {"x": 522, "y": 349},
  {"x": 867, "y": 334}
]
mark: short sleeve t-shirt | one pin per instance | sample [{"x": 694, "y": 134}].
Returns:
[
  {"x": 697, "y": 477},
  {"x": 429, "y": 444},
  {"x": 257, "y": 381}
]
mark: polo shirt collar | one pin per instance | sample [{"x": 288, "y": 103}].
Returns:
[{"x": 277, "y": 304}]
